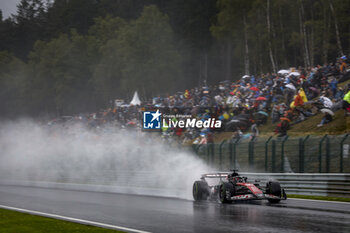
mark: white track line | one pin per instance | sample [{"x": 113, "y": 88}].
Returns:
[
  {"x": 301, "y": 199},
  {"x": 76, "y": 220}
]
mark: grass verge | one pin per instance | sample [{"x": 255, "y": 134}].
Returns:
[
  {"x": 342, "y": 199},
  {"x": 14, "y": 222}
]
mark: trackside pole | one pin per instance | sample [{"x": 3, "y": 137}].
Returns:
[
  {"x": 266, "y": 152},
  {"x": 251, "y": 154},
  {"x": 220, "y": 153},
  {"x": 208, "y": 154},
  {"x": 233, "y": 157},
  {"x": 301, "y": 153},
  {"x": 328, "y": 157},
  {"x": 341, "y": 153},
  {"x": 273, "y": 155},
  {"x": 320, "y": 153},
  {"x": 282, "y": 153}
]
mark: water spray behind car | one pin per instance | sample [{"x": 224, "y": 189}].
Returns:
[{"x": 100, "y": 156}]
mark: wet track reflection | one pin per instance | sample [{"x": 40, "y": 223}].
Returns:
[
  {"x": 156, "y": 214},
  {"x": 261, "y": 217}
]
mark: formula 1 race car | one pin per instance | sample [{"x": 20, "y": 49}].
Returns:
[{"x": 233, "y": 187}]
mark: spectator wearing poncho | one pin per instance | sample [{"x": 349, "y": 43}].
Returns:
[{"x": 346, "y": 102}]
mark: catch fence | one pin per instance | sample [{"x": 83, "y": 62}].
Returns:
[{"x": 309, "y": 154}]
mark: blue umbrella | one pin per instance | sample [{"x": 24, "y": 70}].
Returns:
[{"x": 263, "y": 113}]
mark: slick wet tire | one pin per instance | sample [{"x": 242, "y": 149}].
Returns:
[
  {"x": 224, "y": 188},
  {"x": 274, "y": 188},
  {"x": 200, "y": 190}
]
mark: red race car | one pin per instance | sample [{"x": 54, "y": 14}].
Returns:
[{"x": 233, "y": 187}]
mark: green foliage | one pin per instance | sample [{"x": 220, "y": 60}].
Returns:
[
  {"x": 64, "y": 15},
  {"x": 342, "y": 199},
  {"x": 11, "y": 84},
  {"x": 139, "y": 55},
  {"x": 60, "y": 73},
  {"x": 149, "y": 58},
  {"x": 76, "y": 56},
  {"x": 107, "y": 28},
  {"x": 73, "y": 73},
  {"x": 229, "y": 24}
]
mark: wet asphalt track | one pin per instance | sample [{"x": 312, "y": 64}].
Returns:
[{"x": 156, "y": 214}]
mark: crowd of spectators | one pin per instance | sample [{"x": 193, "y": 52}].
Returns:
[{"x": 287, "y": 97}]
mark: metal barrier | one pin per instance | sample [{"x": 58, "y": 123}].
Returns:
[
  {"x": 327, "y": 154},
  {"x": 318, "y": 184}
]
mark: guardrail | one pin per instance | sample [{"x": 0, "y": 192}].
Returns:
[{"x": 318, "y": 184}]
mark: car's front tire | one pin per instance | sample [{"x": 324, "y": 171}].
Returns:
[{"x": 274, "y": 188}]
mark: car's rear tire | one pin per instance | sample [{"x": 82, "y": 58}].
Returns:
[
  {"x": 224, "y": 187},
  {"x": 200, "y": 190},
  {"x": 274, "y": 188}
]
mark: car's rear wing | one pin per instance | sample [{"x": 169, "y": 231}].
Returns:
[
  {"x": 220, "y": 175},
  {"x": 215, "y": 175}
]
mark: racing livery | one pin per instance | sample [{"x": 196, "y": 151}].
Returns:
[{"x": 233, "y": 187}]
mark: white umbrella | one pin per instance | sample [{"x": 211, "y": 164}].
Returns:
[
  {"x": 326, "y": 110},
  {"x": 294, "y": 74},
  {"x": 283, "y": 72},
  {"x": 218, "y": 98},
  {"x": 245, "y": 76},
  {"x": 291, "y": 86}
]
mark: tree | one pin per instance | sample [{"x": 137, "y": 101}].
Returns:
[
  {"x": 232, "y": 28},
  {"x": 106, "y": 28},
  {"x": 60, "y": 73},
  {"x": 29, "y": 25},
  {"x": 191, "y": 21},
  {"x": 64, "y": 15},
  {"x": 107, "y": 71},
  {"x": 12, "y": 85},
  {"x": 274, "y": 67},
  {"x": 81, "y": 54},
  {"x": 340, "y": 48},
  {"x": 148, "y": 52}
]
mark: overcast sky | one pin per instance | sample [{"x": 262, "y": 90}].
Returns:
[{"x": 8, "y": 7}]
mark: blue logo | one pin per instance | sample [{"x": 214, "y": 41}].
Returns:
[{"x": 151, "y": 120}]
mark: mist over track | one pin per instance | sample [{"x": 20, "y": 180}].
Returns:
[{"x": 103, "y": 156}]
